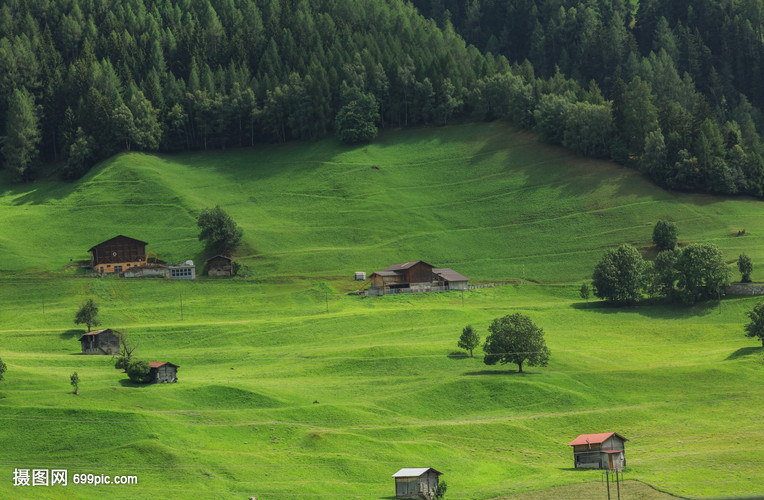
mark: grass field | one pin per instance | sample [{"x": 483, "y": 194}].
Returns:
[{"x": 279, "y": 398}]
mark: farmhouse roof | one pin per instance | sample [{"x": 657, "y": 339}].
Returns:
[
  {"x": 386, "y": 273},
  {"x": 405, "y": 265},
  {"x": 117, "y": 237},
  {"x": 594, "y": 438},
  {"x": 94, "y": 332},
  {"x": 450, "y": 275},
  {"x": 218, "y": 256},
  {"x": 157, "y": 364},
  {"x": 415, "y": 472}
]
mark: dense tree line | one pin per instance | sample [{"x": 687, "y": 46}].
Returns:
[
  {"x": 674, "y": 88},
  {"x": 83, "y": 79}
]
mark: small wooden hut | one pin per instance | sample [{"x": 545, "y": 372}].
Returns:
[
  {"x": 163, "y": 372},
  {"x": 605, "y": 450},
  {"x": 219, "y": 265},
  {"x": 420, "y": 482},
  {"x": 100, "y": 342}
]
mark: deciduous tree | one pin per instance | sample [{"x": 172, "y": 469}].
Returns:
[
  {"x": 469, "y": 339},
  {"x": 219, "y": 231},
  {"x": 756, "y": 326},
  {"x": 87, "y": 314},
  {"x": 665, "y": 235},
  {"x": 515, "y": 339},
  {"x": 745, "y": 266},
  {"x": 618, "y": 277}
]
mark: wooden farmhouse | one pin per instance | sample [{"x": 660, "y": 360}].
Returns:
[
  {"x": 100, "y": 342},
  {"x": 163, "y": 372},
  {"x": 419, "y": 482},
  {"x": 117, "y": 255},
  {"x": 219, "y": 265},
  {"x": 417, "y": 276},
  {"x": 599, "y": 451}
]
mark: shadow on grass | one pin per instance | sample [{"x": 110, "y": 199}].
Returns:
[
  {"x": 69, "y": 334},
  {"x": 744, "y": 351},
  {"x": 126, "y": 382},
  {"x": 457, "y": 355},
  {"x": 497, "y": 372},
  {"x": 651, "y": 308}
]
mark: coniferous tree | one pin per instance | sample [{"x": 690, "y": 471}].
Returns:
[{"x": 22, "y": 134}]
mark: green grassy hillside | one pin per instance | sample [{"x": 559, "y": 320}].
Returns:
[
  {"x": 279, "y": 398},
  {"x": 482, "y": 199}
]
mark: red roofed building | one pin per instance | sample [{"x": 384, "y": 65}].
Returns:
[
  {"x": 604, "y": 450},
  {"x": 163, "y": 372},
  {"x": 415, "y": 276}
]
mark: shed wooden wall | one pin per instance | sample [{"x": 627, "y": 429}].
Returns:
[{"x": 419, "y": 273}]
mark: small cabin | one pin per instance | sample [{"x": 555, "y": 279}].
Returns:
[
  {"x": 360, "y": 276},
  {"x": 605, "y": 450},
  {"x": 163, "y": 372},
  {"x": 421, "y": 482},
  {"x": 100, "y": 342},
  {"x": 117, "y": 254},
  {"x": 219, "y": 265}
]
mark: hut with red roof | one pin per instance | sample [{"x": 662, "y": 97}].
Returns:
[
  {"x": 163, "y": 372},
  {"x": 604, "y": 450}
]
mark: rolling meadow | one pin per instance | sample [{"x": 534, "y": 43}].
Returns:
[{"x": 291, "y": 387}]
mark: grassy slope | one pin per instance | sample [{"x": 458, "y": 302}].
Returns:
[{"x": 682, "y": 384}]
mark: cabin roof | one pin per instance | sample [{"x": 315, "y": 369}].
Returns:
[
  {"x": 157, "y": 364},
  {"x": 218, "y": 256},
  {"x": 450, "y": 274},
  {"x": 415, "y": 472},
  {"x": 93, "y": 333},
  {"x": 116, "y": 237},
  {"x": 405, "y": 265},
  {"x": 386, "y": 273},
  {"x": 594, "y": 438}
]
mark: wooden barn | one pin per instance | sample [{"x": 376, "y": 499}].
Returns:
[
  {"x": 605, "y": 450},
  {"x": 417, "y": 276},
  {"x": 421, "y": 482},
  {"x": 451, "y": 280},
  {"x": 163, "y": 372},
  {"x": 117, "y": 254},
  {"x": 219, "y": 265},
  {"x": 100, "y": 342}
]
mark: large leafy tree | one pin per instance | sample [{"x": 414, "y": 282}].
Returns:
[
  {"x": 219, "y": 231},
  {"x": 755, "y": 328},
  {"x": 515, "y": 339},
  {"x": 22, "y": 134},
  {"x": 619, "y": 276},
  {"x": 357, "y": 119},
  {"x": 701, "y": 273},
  {"x": 665, "y": 235}
]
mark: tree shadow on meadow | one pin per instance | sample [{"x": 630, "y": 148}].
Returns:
[
  {"x": 126, "y": 382},
  {"x": 457, "y": 355},
  {"x": 497, "y": 372},
  {"x": 744, "y": 351},
  {"x": 70, "y": 334},
  {"x": 652, "y": 308}
]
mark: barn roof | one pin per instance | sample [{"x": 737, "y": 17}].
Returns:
[
  {"x": 94, "y": 332},
  {"x": 594, "y": 438},
  {"x": 110, "y": 240},
  {"x": 405, "y": 265},
  {"x": 450, "y": 275},
  {"x": 157, "y": 364},
  {"x": 386, "y": 273},
  {"x": 218, "y": 256},
  {"x": 415, "y": 472}
]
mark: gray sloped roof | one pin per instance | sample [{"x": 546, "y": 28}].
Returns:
[
  {"x": 450, "y": 275},
  {"x": 405, "y": 265},
  {"x": 415, "y": 472}
]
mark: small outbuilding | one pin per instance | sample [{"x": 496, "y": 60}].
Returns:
[
  {"x": 100, "y": 342},
  {"x": 163, "y": 372},
  {"x": 420, "y": 482},
  {"x": 605, "y": 450},
  {"x": 450, "y": 279},
  {"x": 219, "y": 265},
  {"x": 184, "y": 271},
  {"x": 360, "y": 276}
]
